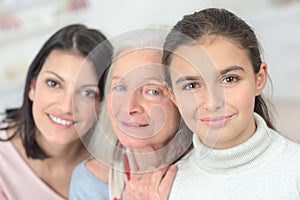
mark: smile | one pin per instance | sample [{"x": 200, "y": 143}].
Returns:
[
  {"x": 134, "y": 124},
  {"x": 216, "y": 122},
  {"x": 60, "y": 121}
]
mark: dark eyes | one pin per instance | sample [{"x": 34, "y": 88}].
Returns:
[
  {"x": 85, "y": 92},
  {"x": 52, "y": 83},
  {"x": 191, "y": 86},
  {"x": 230, "y": 79}
]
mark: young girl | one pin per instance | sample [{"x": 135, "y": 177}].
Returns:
[
  {"x": 40, "y": 144},
  {"x": 217, "y": 76}
]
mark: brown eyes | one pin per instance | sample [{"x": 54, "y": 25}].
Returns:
[{"x": 52, "y": 83}]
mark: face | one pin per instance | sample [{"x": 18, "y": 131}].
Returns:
[
  {"x": 64, "y": 97},
  {"x": 215, "y": 88},
  {"x": 142, "y": 115}
]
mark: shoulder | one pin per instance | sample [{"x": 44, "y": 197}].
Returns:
[
  {"x": 85, "y": 185},
  {"x": 3, "y": 131},
  {"x": 82, "y": 174},
  {"x": 291, "y": 149},
  {"x": 6, "y": 146},
  {"x": 292, "y": 146},
  {"x": 98, "y": 169}
]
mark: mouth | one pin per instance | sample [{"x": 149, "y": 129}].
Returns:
[
  {"x": 60, "y": 121},
  {"x": 137, "y": 125},
  {"x": 216, "y": 122}
]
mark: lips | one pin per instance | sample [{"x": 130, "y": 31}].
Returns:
[
  {"x": 216, "y": 122},
  {"x": 128, "y": 124}
]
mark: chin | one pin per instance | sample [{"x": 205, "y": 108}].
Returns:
[
  {"x": 64, "y": 141},
  {"x": 133, "y": 142}
]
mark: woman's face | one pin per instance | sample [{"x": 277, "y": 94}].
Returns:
[
  {"x": 64, "y": 97},
  {"x": 142, "y": 115},
  {"x": 215, "y": 88}
]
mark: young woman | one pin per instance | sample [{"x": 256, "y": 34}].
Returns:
[
  {"x": 217, "y": 76},
  {"x": 139, "y": 126},
  {"x": 40, "y": 144}
]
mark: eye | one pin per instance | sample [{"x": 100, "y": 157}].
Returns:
[
  {"x": 153, "y": 92},
  {"x": 89, "y": 93},
  {"x": 230, "y": 79},
  {"x": 120, "y": 88},
  {"x": 52, "y": 83},
  {"x": 191, "y": 86}
]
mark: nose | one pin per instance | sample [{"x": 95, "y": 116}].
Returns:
[
  {"x": 214, "y": 99},
  {"x": 135, "y": 103},
  {"x": 65, "y": 103}
]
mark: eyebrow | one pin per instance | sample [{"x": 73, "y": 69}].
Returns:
[
  {"x": 188, "y": 78},
  {"x": 222, "y": 72},
  {"x": 89, "y": 85},
  {"x": 116, "y": 77},
  {"x": 82, "y": 86},
  {"x": 144, "y": 80},
  {"x": 55, "y": 74},
  {"x": 232, "y": 68}
]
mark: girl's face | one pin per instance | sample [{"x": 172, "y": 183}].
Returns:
[
  {"x": 142, "y": 115},
  {"x": 215, "y": 88},
  {"x": 64, "y": 97}
]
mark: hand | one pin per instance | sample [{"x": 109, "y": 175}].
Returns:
[{"x": 151, "y": 186}]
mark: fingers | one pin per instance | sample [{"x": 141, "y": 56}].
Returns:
[
  {"x": 166, "y": 183},
  {"x": 157, "y": 177},
  {"x": 154, "y": 186},
  {"x": 137, "y": 187}
]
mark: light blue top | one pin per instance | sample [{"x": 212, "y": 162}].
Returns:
[{"x": 84, "y": 185}]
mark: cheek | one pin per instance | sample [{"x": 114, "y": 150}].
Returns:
[
  {"x": 109, "y": 106},
  {"x": 166, "y": 119},
  {"x": 189, "y": 110},
  {"x": 115, "y": 104},
  {"x": 86, "y": 107},
  {"x": 41, "y": 100},
  {"x": 158, "y": 115},
  {"x": 241, "y": 100},
  {"x": 158, "y": 112}
]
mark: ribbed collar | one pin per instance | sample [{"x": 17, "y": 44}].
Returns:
[{"x": 256, "y": 150}]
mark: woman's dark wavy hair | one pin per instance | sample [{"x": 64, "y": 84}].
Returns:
[
  {"x": 219, "y": 22},
  {"x": 78, "y": 39}
]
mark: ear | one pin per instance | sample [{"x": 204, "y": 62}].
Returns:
[
  {"x": 31, "y": 92},
  {"x": 261, "y": 78}
]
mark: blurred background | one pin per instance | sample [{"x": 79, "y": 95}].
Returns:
[{"x": 26, "y": 24}]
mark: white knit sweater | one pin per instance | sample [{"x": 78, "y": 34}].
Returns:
[{"x": 265, "y": 167}]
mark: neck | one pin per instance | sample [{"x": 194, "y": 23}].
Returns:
[
  {"x": 63, "y": 153},
  {"x": 147, "y": 158},
  {"x": 250, "y": 153}
]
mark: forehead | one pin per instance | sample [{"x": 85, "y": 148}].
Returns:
[
  {"x": 69, "y": 65},
  {"x": 141, "y": 63},
  {"x": 209, "y": 56},
  {"x": 63, "y": 57}
]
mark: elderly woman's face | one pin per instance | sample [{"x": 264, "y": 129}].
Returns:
[{"x": 138, "y": 103}]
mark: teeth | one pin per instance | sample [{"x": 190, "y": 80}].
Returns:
[
  {"x": 137, "y": 125},
  {"x": 60, "y": 121}
]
